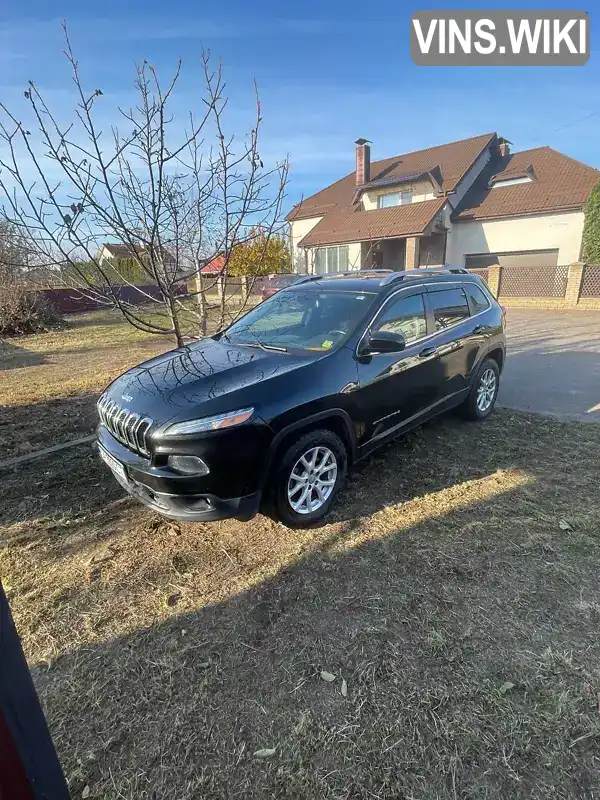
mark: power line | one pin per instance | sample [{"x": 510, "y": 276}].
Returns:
[{"x": 562, "y": 127}]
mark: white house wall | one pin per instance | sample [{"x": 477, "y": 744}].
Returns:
[
  {"x": 299, "y": 229},
  {"x": 517, "y": 234}
]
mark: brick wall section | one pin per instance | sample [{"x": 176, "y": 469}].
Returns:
[
  {"x": 411, "y": 260},
  {"x": 574, "y": 283},
  {"x": 363, "y": 164},
  {"x": 493, "y": 280},
  {"x": 550, "y": 302}
]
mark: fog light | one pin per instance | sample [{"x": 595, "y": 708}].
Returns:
[{"x": 189, "y": 465}]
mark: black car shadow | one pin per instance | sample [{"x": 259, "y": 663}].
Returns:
[{"x": 447, "y": 642}]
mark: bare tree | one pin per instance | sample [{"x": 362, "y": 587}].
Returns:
[{"x": 176, "y": 194}]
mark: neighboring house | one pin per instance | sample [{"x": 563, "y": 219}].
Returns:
[
  {"x": 469, "y": 203},
  {"x": 110, "y": 252},
  {"x": 216, "y": 265}
]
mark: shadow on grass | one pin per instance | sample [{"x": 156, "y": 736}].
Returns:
[
  {"x": 14, "y": 356},
  {"x": 469, "y": 656},
  {"x": 33, "y": 426},
  {"x": 74, "y": 484}
]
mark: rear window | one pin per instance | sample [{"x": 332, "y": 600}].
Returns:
[
  {"x": 479, "y": 301},
  {"x": 449, "y": 307}
]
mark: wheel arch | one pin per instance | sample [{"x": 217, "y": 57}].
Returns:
[
  {"x": 335, "y": 420},
  {"x": 497, "y": 353}
]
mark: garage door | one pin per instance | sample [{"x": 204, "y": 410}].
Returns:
[{"x": 522, "y": 258}]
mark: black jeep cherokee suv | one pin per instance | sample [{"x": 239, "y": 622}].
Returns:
[{"x": 278, "y": 405}]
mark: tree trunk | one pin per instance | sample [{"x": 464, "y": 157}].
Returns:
[
  {"x": 201, "y": 301},
  {"x": 222, "y": 298},
  {"x": 174, "y": 320}
]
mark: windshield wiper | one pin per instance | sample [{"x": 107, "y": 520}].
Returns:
[{"x": 265, "y": 346}]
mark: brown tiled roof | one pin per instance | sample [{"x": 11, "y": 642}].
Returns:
[
  {"x": 449, "y": 163},
  {"x": 560, "y": 184},
  {"x": 347, "y": 225},
  {"x": 125, "y": 251}
]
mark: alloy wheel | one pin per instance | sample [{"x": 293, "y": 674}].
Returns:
[
  {"x": 486, "y": 391},
  {"x": 312, "y": 480}
]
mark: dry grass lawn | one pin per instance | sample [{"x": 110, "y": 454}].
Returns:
[
  {"x": 49, "y": 382},
  {"x": 437, "y": 639}
]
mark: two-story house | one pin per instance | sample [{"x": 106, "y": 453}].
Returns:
[{"x": 469, "y": 203}]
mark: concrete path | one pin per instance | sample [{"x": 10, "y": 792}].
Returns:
[{"x": 553, "y": 363}]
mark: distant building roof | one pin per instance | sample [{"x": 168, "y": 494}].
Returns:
[
  {"x": 126, "y": 251},
  {"x": 215, "y": 265}
]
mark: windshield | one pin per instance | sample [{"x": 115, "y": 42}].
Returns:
[{"x": 301, "y": 319}]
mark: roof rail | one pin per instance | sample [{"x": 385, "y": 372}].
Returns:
[
  {"x": 408, "y": 273},
  {"x": 349, "y": 274}
]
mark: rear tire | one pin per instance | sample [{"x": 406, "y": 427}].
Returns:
[
  {"x": 481, "y": 400},
  {"x": 311, "y": 474}
]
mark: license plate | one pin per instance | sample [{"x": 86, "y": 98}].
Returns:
[{"x": 115, "y": 465}]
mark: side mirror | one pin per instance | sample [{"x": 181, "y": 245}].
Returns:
[{"x": 385, "y": 342}]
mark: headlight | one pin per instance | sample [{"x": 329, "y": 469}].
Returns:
[{"x": 216, "y": 423}]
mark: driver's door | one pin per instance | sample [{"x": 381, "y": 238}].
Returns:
[{"x": 395, "y": 387}]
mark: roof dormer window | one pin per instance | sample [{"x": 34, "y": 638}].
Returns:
[
  {"x": 394, "y": 199},
  {"x": 511, "y": 181},
  {"x": 512, "y": 177}
]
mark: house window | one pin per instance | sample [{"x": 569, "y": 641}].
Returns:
[
  {"x": 395, "y": 199},
  {"x": 331, "y": 259}
]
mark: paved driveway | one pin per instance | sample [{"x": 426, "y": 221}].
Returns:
[{"x": 553, "y": 363}]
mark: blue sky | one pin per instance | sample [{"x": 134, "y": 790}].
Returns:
[{"x": 328, "y": 72}]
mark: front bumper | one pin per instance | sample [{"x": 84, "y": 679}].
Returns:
[
  {"x": 180, "y": 497},
  {"x": 193, "y": 508}
]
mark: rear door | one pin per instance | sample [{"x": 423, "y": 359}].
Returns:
[
  {"x": 458, "y": 337},
  {"x": 393, "y": 387}
]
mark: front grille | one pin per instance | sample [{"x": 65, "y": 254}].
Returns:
[{"x": 129, "y": 428}]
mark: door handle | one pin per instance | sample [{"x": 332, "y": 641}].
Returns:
[{"x": 428, "y": 352}]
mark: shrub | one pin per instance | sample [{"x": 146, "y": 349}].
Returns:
[
  {"x": 23, "y": 311},
  {"x": 590, "y": 251},
  {"x": 262, "y": 254}
]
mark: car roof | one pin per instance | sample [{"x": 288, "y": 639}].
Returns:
[{"x": 379, "y": 280}]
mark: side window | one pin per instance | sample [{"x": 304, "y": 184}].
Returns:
[
  {"x": 449, "y": 307},
  {"x": 479, "y": 302},
  {"x": 405, "y": 315}
]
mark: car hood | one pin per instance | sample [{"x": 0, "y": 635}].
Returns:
[{"x": 172, "y": 384}]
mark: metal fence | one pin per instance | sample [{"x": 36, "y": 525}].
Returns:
[
  {"x": 483, "y": 273},
  {"x": 233, "y": 286},
  {"x": 590, "y": 285},
  {"x": 541, "y": 281},
  {"x": 72, "y": 301}
]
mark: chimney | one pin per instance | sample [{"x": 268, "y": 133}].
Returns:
[
  {"x": 363, "y": 161},
  {"x": 504, "y": 147}
]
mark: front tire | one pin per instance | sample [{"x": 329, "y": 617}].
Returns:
[
  {"x": 484, "y": 391},
  {"x": 312, "y": 472}
]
